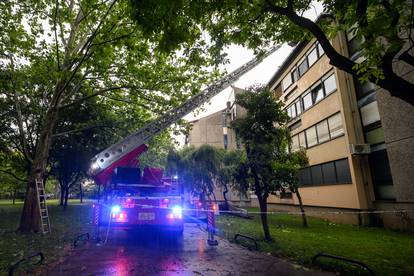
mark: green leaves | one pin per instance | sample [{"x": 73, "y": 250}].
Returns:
[{"x": 268, "y": 166}]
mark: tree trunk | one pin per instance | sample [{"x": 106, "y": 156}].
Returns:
[
  {"x": 80, "y": 192},
  {"x": 62, "y": 193},
  {"x": 66, "y": 198},
  {"x": 30, "y": 218},
  {"x": 226, "y": 202},
  {"x": 14, "y": 196},
  {"x": 302, "y": 210},
  {"x": 263, "y": 216}
]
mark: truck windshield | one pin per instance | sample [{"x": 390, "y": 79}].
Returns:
[{"x": 147, "y": 191}]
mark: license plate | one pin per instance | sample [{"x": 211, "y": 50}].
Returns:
[{"x": 146, "y": 216}]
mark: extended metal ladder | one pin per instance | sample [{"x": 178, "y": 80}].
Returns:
[
  {"x": 41, "y": 201},
  {"x": 107, "y": 157}
]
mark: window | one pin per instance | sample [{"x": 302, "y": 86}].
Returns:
[
  {"x": 329, "y": 174},
  {"x": 369, "y": 113},
  {"x": 329, "y": 84},
  {"x": 335, "y": 125},
  {"x": 295, "y": 143},
  {"x": 305, "y": 177},
  {"x": 317, "y": 177},
  {"x": 312, "y": 56},
  {"x": 375, "y": 136},
  {"x": 287, "y": 97},
  {"x": 226, "y": 142},
  {"x": 285, "y": 195},
  {"x": 381, "y": 175},
  {"x": 320, "y": 50},
  {"x": 295, "y": 125},
  {"x": 295, "y": 74},
  {"x": 291, "y": 111},
  {"x": 286, "y": 82},
  {"x": 317, "y": 93},
  {"x": 311, "y": 136},
  {"x": 298, "y": 107},
  {"x": 307, "y": 101},
  {"x": 293, "y": 108},
  {"x": 354, "y": 45},
  {"x": 323, "y": 131},
  {"x": 364, "y": 89},
  {"x": 342, "y": 171},
  {"x": 303, "y": 67},
  {"x": 302, "y": 140}
]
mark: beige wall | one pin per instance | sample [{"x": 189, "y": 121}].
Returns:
[{"x": 207, "y": 130}]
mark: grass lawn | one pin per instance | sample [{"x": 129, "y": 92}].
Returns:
[
  {"x": 386, "y": 252},
  {"x": 65, "y": 226}
]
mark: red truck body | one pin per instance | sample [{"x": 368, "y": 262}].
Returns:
[{"x": 149, "y": 201}]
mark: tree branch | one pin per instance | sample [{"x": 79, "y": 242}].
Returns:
[
  {"x": 397, "y": 86},
  {"x": 56, "y": 39},
  {"x": 19, "y": 118},
  {"x": 13, "y": 175},
  {"x": 98, "y": 93},
  {"x": 407, "y": 58},
  {"x": 85, "y": 48},
  {"x": 113, "y": 39}
]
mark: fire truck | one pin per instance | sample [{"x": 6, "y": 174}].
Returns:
[{"x": 134, "y": 198}]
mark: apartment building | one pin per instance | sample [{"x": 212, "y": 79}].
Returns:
[{"x": 359, "y": 140}]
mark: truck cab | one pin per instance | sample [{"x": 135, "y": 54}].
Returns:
[{"x": 142, "y": 200}]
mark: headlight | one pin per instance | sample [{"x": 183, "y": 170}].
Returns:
[
  {"x": 177, "y": 210},
  {"x": 116, "y": 209}
]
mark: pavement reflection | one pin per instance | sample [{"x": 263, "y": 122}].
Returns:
[{"x": 160, "y": 253}]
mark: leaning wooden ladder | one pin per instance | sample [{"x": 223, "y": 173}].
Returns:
[{"x": 41, "y": 200}]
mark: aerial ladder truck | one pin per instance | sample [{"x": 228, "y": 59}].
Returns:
[{"x": 149, "y": 199}]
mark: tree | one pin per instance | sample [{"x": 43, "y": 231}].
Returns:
[
  {"x": 197, "y": 168},
  {"x": 60, "y": 54},
  {"x": 286, "y": 170},
  {"x": 263, "y": 135},
  {"x": 383, "y": 27},
  {"x": 12, "y": 174},
  {"x": 227, "y": 172}
]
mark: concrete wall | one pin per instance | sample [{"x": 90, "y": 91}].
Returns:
[
  {"x": 398, "y": 123},
  {"x": 207, "y": 130}
]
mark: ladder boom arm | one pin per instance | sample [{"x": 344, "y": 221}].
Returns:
[{"x": 117, "y": 151}]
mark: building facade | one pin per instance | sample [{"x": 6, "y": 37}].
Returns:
[{"x": 359, "y": 140}]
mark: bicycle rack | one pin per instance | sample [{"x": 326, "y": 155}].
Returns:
[
  {"x": 81, "y": 237},
  {"x": 248, "y": 238},
  {"x": 370, "y": 271},
  {"x": 28, "y": 258}
]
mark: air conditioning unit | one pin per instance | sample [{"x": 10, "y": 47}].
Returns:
[{"x": 360, "y": 148}]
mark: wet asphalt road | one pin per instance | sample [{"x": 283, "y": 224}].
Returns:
[{"x": 134, "y": 253}]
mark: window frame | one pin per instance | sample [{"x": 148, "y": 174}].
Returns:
[
  {"x": 304, "y": 60},
  {"x": 308, "y": 54},
  {"x": 324, "y": 87},
  {"x": 307, "y": 138}
]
